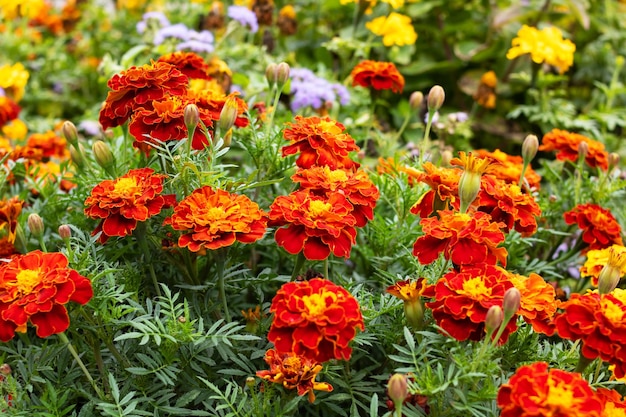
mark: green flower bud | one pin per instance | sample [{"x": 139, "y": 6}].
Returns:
[{"x": 436, "y": 97}]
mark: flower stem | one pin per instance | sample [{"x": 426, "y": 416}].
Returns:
[
  {"x": 426, "y": 139},
  {"x": 270, "y": 123},
  {"x": 140, "y": 235},
  {"x": 298, "y": 266},
  {"x": 326, "y": 274},
  {"x": 220, "y": 263},
  {"x": 82, "y": 366}
]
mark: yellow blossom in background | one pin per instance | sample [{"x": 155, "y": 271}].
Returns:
[
  {"x": 13, "y": 79},
  {"x": 486, "y": 92},
  {"x": 11, "y": 9},
  {"x": 394, "y": 3},
  {"x": 546, "y": 45},
  {"x": 15, "y": 130},
  {"x": 288, "y": 11},
  {"x": 598, "y": 258},
  {"x": 396, "y": 29},
  {"x": 361, "y": 3}
]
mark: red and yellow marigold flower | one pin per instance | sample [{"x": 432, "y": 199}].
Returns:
[
  {"x": 462, "y": 299},
  {"x": 443, "y": 193},
  {"x": 410, "y": 292},
  {"x": 315, "y": 319},
  {"x": 355, "y": 185},
  {"x": 599, "y": 322},
  {"x": 566, "y": 145},
  {"x": 597, "y": 259},
  {"x": 10, "y": 210},
  {"x": 213, "y": 102},
  {"x": 393, "y": 167},
  {"x": 137, "y": 87},
  {"x": 538, "y": 302},
  {"x": 189, "y": 63},
  {"x": 122, "y": 202},
  {"x": 320, "y": 141},
  {"x": 293, "y": 371},
  {"x": 316, "y": 225},
  {"x": 50, "y": 144},
  {"x": 465, "y": 239},
  {"x": 534, "y": 390},
  {"x": 377, "y": 75},
  {"x": 213, "y": 218},
  {"x": 35, "y": 287},
  {"x": 600, "y": 229},
  {"x": 614, "y": 403},
  {"x": 509, "y": 168},
  {"x": 9, "y": 110}
]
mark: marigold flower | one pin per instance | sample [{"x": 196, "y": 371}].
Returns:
[
  {"x": 355, "y": 185},
  {"x": 509, "y": 168},
  {"x": 538, "y": 302},
  {"x": 213, "y": 102},
  {"x": 321, "y": 141},
  {"x": 378, "y": 75},
  {"x": 485, "y": 94},
  {"x": 444, "y": 192},
  {"x": 463, "y": 238},
  {"x": 600, "y": 229},
  {"x": 13, "y": 79},
  {"x": 315, "y": 319},
  {"x": 567, "y": 143},
  {"x": 214, "y": 218},
  {"x": 287, "y": 22},
  {"x": 122, "y": 202},
  {"x": 293, "y": 371},
  {"x": 546, "y": 45},
  {"x": 614, "y": 403},
  {"x": 469, "y": 184},
  {"x": 136, "y": 87},
  {"x": 50, "y": 144},
  {"x": 463, "y": 298},
  {"x": 392, "y": 167},
  {"x": 189, "y": 63},
  {"x": 597, "y": 259},
  {"x": 536, "y": 391},
  {"x": 410, "y": 292},
  {"x": 9, "y": 110},
  {"x": 396, "y": 29},
  {"x": 35, "y": 287},
  {"x": 598, "y": 321},
  {"x": 316, "y": 225},
  {"x": 10, "y": 210}
]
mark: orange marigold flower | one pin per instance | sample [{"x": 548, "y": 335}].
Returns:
[
  {"x": 444, "y": 192},
  {"x": 538, "y": 302},
  {"x": 213, "y": 102},
  {"x": 50, "y": 144},
  {"x": 137, "y": 87},
  {"x": 506, "y": 204},
  {"x": 9, "y": 110},
  {"x": 320, "y": 141},
  {"x": 597, "y": 259},
  {"x": 600, "y": 229},
  {"x": 486, "y": 92},
  {"x": 391, "y": 166},
  {"x": 466, "y": 239},
  {"x": 35, "y": 287},
  {"x": 566, "y": 145},
  {"x": 293, "y": 371},
  {"x": 378, "y": 75},
  {"x": 509, "y": 168},
  {"x": 536, "y": 391},
  {"x": 598, "y": 321},
  {"x": 9, "y": 212},
  {"x": 411, "y": 293},
  {"x": 189, "y": 63},
  {"x": 215, "y": 218},
  {"x": 316, "y": 225},
  {"x": 463, "y": 298},
  {"x": 355, "y": 185},
  {"x": 315, "y": 319},
  {"x": 122, "y": 202},
  {"x": 614, "y": 403}
]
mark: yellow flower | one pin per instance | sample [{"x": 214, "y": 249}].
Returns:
[
  {"x": 613, "y": 256},
  {"x": 22, "y": 8},
  {"x": 394, "y": 3},
  {"x": 13, "y": 79},
  {"x": 546, "y": 45},
  {"x": 15, "y": 130},
  {"x": 396, "y": 29}
]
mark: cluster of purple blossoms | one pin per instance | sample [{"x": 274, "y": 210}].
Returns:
[
  {"x": 244, "y": 16},
  {"x": 190, "y": 39},
  {"x": 310, "y": 90}
]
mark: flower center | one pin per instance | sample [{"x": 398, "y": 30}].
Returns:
[
  {"x": 318, "y": 208},
  {"x": 215, "y": 213},
  {"x": 27, "y": 280},
  {"x": 316, "y": 303},
  {"x": 292, "y": 363},
  {"x": 337, "y": 175},
  {"x": 126, "y": 187},
  {"x": 475, "y": 288},
  {"x": 559, "y": 397}
]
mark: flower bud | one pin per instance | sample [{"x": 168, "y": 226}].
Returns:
[
  {"x": 69, "y": 132},
  {"x": 228, "y": 115},
  {"x": 271, "y": 74},
  {"x": 228, "y": 138},
  {"x": 612, "y": 271},
  {"x": 436, "y": 96},
  {"x": 191, "y": 116},
  {"x": 282, "y": 74},
  {"x": 494, "y": 319},
  {"x": 5, "y": 369},
  {"x": 416, "y": 100},
  {"x": 511, "y": 302},
  {"x": 613, "y": 160},
  {"x": 529, "y": 148},
  {"x": 414, "y": 313},
  {"x": 250, "y": 382},
  {"x": 398, "y": 389},
  {"x": 469, "y": 186},
  {"x": 65, "y": 232},
  {"x": 35, "y": 224},
  {"x": 103, "y": 155},
  {"x": 583, "y": 150},
  {"x": 76, "y": 155}
]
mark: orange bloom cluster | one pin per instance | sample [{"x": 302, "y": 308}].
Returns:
[
  {"x": 9, "y": 212},
  {"x": 614, "y": 256},
  {"x": 538, "y": 302},
  {"x": 320, "y": 141},
  {"x": 314, "y": 319},
  {"x": 598, "y": 322},
  {"x": 463, "y": 238},
  {"x": 463, "y": 298},
  {"x": 35, "y": 287},
  {"x": 566, "y": 144},
  {"x": 122, "y": 202},
  {"x": 377, "y": 75},
  {"x": 534, "y": 390},
  {"x": 600, "y": 229},
  {"x": 190, "y": 64},
  {"x": 444, "y": 189},
  {"x": 214, "y": 218},
  {"x": 486, "y": 92},
  {"x": 294, "y": 372},
  {"x": 509, "y": 168},
  {"x": 9, "y": 110}
]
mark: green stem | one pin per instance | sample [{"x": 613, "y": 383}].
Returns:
[
  {"x": 426, "y": 139},
  {"x": 298, "y": 266},
  {"x": 42, "y": 244},
  {"x": 583, "y": 362},
  {"x": 82, "y": 366},
  {"x": 270, "y": 123},
  {"x": 505, "y": 321},
  {"x": 407, "y": 119},
  {"x": 220, "y": 263},
  {"x": 326, "y": 274},
  {"x": 140, "y": 235},
  {"x": 521, "y": 177}
]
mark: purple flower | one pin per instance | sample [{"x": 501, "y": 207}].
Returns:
[
  {"x": 244, "y": 16},
  {"x": 158, "y": 16},
  {"x": 310, "y": 90},
  {"x": 90, "y": 127},
  {"x": 178, "y": 31},
  {"x": 197, "y": 42}
]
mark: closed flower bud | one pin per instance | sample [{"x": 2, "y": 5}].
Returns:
[
  {"x": 511, "y": 302},
  {"x": 191, "y": 116},
  {"x": 5, "y": 369},
  {"x": 494, "y": 319},
  {"x": 228, "y": 114},
  {"x": 414, "y": 313},
  {"x": 469, "y": 186},
  {"x": 103, "y": 155},
  {"x": 436, "y": 97},
  {"x": 228, "y": 138},
  {"x": 65, "y": 232},
  {"x": 416, "y": 100},
  {"x": 529, "y": 148},
  {"x": 398, "y": 389},
  {"x": 35, "y": 224},
  {"x": 69, "y": 132},
  {"x": 271, "y": 74},
  {"x": 583, "y": 150},
  {"x": 250, "y": 382},
  {"x": 76, "y": 155},
  {"x": 613, "y": 160},
  {"x": 282, "y": 73}
]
